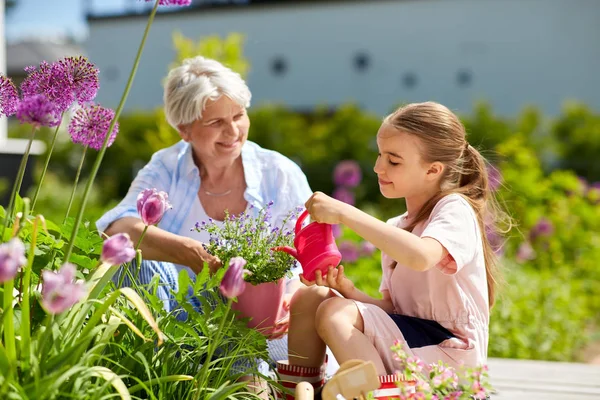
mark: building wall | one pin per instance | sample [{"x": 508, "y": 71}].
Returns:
[{"x": 508, "y": 52}]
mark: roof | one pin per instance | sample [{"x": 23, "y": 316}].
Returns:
[
  {"x": 21, "y": 54},
  {"x": 213, "y": 5}
]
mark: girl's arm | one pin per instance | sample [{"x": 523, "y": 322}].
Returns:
[
  {"x": 410, "y": 250},
  {"x": 335, "y": 279}
]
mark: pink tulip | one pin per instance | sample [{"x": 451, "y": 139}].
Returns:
[
  {"x": 233, "y": 283},
  {"x": 152, "y": 205},
  {"x": 12, "y": 257},
  {"x": 60, "y": 291},
  {"x": 117, "y": 249}
]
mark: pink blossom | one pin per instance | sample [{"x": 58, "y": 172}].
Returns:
[
  {"x": 152, "y": 205},
  {"x": 117, "y": 249},
  {"x": 12, "y": 258},
  {"x": 344, "y": 195},
  {"x": 233, "y": 283},
  {"x": 349, "y": 251},
  {"x": 60, "y": 291}
]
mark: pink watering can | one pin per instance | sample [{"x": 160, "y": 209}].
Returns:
[{"x": 315, "y": 247}]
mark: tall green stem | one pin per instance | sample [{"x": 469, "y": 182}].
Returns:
[
  {"x": 25, "y": 308},
  {"x": 98, "y": 161},
  {"x": 75, "y": 185},
  {"x": 9, "y": 328},
  {"x": 17, "y": 185},
  {"x": 39, "y": 186},
  {"x": 212, "y": 345}
]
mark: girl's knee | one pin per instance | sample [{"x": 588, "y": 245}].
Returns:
[
  {"x": 307, "y": 299},
  {"x": 333, "y": 314}
]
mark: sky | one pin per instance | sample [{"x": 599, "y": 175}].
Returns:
[{"x": 48, "y": 18}]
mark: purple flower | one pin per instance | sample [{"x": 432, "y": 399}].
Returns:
[
  {"x": 172, "y": 2},
  {"x": 347, "y": 173},
  {"x": 152, "y": 205},
  {"x": 89, "y": 126},
  {"x": 337, "y": 230},
  {"x": 117, "y": 249},
  {"x": 349, "y": 251},
  {"x": 84, "y": 76},
  {"x": 60, "y": 291},
  {"x": 525, "y": 252},
  {"x": 12, "y": 257},
  {"x": 495, "y": 240},
  {"x": 53, "y": 81},
  {"x": 344, "y": 195},
  {"x": 544, "y": 227},
  {"x": 38, "y": 111},
  {"x": 233, "y": 283},
  {"x": 367, "y": 248},
  {"x": 494, "y": 177},
  {"x": 9, "y": 98}
]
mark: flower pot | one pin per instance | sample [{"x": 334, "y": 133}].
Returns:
[{"x": 263, "y": 305}]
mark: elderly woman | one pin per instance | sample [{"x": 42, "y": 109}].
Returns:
[{"x": 212, "y": 169}]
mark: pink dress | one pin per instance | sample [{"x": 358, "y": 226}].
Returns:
[{"x": 454, "y": 293}]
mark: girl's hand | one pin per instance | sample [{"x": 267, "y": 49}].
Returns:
[
  {"x": 325, "y": 209},
  {"x": 335, "y": 279}
]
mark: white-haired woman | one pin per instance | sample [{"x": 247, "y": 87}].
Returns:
[{"x": 212, "y": 169}]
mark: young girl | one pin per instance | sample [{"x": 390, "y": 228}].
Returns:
[{"x": 438, "y": 268}]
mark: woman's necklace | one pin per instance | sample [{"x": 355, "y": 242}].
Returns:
[{"x": 218, "y": 194}]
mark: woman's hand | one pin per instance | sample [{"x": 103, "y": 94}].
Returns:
[
  {"x": 335, "y": 279},
  {"x": 325, "y": 209}
]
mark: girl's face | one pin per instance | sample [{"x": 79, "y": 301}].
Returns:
[
  {"x": 399, "y": 167},
  {"x": 221, "y": 131}
]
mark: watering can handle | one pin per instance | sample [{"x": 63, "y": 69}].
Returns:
[{"x": 300, "y": 220}]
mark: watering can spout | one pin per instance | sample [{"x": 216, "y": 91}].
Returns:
[{"x": 287, "y": 249}]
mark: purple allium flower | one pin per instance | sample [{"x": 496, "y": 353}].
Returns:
[
  {"x": 12, "y": 257},
  {"x": 38, "y": 111},
  {"x": 152, "y": 205},
  {"x": 336, "y": 230},
  {"x": 347, "y": 173},
  {"x": 51, "y": 80},
  {"x": 85, "y": 77},
  {"x": 344, "y": 195},
  {"x": 9, "y": 98},
  {"x": 60, "y": 291},
  {"x": 172, "y": 2},
  {"x": 233, "y": 283},
  {"x": 544, "y": 227},
  {"x": 494, "y": 177},
  {"x": 117, "y": 249},
  {"x": 367, "y": 248},
  {"x": 349, "y": 251},
  {"x": 495, "y": 240},
  {"x": 525, "y": 252},
  {"x": 90, "y": 124}
]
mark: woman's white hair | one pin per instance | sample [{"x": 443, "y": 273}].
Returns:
[{"x": 190, "y": 86}]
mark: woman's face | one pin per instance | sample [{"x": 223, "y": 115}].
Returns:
[{"x": 221, "y": 132}]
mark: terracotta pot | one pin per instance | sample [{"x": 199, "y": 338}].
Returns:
[{"x": 263, "y": 304}]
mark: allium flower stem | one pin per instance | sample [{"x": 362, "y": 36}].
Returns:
[
  {"x": 39, "y": 185},
  {"x": 75, "y": 185},
  {"x": 17, "y": 185},
  {"x": 9, "y": 328},
  {"x": 25, "y": 304},
  {"x": 100, "y": 156}
]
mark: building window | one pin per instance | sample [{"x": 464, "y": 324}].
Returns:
[
  {"x": 279, "y": 66},
  {"x": 362, "y": 61},
  {"x": 409, "y": 80},
  {"x": 464, "y": 77}
]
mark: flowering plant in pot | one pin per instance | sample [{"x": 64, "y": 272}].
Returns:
[
  {"x": 439, "y": 381},
  {"x": 252, "y": 235}
]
